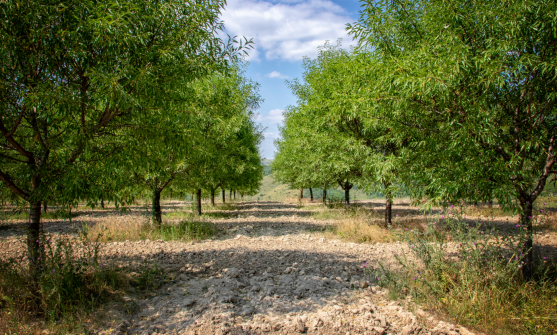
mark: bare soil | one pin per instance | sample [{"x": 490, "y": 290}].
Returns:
[{"x": 269, "y": 270}]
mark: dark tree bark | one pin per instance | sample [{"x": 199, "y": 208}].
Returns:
[
  {"x": 311, "y": 194},
  {"x": 388, "y": 209},
  {"x": 102, "y": 203},
  {"x": 34, "y": 242},
  {"x": 525, "y": 221},
  {"x": 324, "y": 194},
  {"x": 234, "y": 194},
  {"x": 230, "y": 195},
  {"x": 212, "y": 196},
  {"x": 199, "y": 202},
  {"x": 301, "y": 194},
  {"x": 223, "y": 196},
  {"x": 346, "y": 186},
  {"x": 157, "y": 214},
  {"x": 45, "y": 207}
]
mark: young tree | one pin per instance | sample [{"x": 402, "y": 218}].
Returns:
[{"x": 477, "y": 81}]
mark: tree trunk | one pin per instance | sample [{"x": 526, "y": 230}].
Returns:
[
  {"x": 170, "y": 194},
  {"x": 311, "y": 194},
  {"x": 526, "y": 223},
  {"x": 199, "y": 202},
  {"x": 388, "y": 209},
  {"x": 301, "y": 194},
  {"x": 157, "y": 215},
  {"x": 212, "y": 197},
  {"x": 230, "y": 195},
  {"x": 324, "y": 194},
  {"x": 34, "y": 243},
  {"x": 223, "y": 196},
  {"x": 347, "y": 195},
  {"x": 234, "y": 194},
  {"x": 102, "y": 203},
  {"x": 45, "y": 207}
]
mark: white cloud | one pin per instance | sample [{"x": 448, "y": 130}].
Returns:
[
  {"x": 274, "y": 116},
  {"x": 286, "y": 31},
  {"x": 276, "y": 74}
]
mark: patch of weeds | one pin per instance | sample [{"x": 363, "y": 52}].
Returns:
[
  {"x": 68, "y": 283},
  {"x": 151, "y": 277},
  {"x": 226, "y": 207},
  {"x": 186, "y": 230},
  {"x": 472, "y": 274}
]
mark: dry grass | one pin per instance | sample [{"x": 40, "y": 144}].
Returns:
[
  {"x": 364, "y": 225},
  {"x": 136, "y": 229}
]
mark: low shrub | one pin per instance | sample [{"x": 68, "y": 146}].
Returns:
[
  {"x": 472, "y": 274},
  {"x": 70, "y": 280}
]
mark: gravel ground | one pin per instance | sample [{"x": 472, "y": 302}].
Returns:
[{"x": 271, "y": 270}]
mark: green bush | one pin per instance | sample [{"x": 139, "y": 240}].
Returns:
[{"x": 472, "y": 273}]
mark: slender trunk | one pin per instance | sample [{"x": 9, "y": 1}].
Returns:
[
  {"x": 102, "y": 203},
  {"x": 223, "y": 196},
  {"x": 234, "y": 194},
  {"x": 347, "y": 195},
  {"x": 212, "y": 197},
  {"x": 388, "y": 209},
  {"x": 45, "y": 207},
  {"x": 230, "y": 195},
  {"x": 324, "y": 194},
  {"x": 157, "y": 215},
  {"x": 199, "y": 202},
  {"x": 311, "y": 194},
  {"x": 34, "y": 243},
  {"x": 301, "y": 194},
  {"x": 526, "y": 223}
]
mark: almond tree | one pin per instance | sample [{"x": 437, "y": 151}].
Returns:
[{"x": 477, "y": 80}]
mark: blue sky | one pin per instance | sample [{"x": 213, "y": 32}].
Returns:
[{"x": 284, "y": 32}]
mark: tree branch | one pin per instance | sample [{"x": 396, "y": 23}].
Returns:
[{"x": 8, "y": 182}]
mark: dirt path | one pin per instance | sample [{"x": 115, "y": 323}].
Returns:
[{"x": 271, "y": 271}]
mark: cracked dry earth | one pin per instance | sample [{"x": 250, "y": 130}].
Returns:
[{"x": 271, "y": 272}]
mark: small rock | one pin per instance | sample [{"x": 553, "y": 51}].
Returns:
[
  {"x": 299, "y": 325},
  {"x": 188, "y": 302},
  {"x": 364, "y": 284},
  {"x": 409, "y": 329}
]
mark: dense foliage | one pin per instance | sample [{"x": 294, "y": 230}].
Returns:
[
  {"x": 438, "y": 96},
  {"x": 84, "y": 81}
]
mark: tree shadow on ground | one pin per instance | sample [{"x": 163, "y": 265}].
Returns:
[{"x": 216, "y": 281}]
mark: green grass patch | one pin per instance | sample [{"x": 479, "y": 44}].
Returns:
[{"x": 183, "y": 231}]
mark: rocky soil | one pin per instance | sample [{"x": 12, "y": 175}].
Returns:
[{"x": 271, "y": 270}]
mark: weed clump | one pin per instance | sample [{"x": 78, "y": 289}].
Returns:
[
  {"x": 135, "y": 230},
  {"x": 69, "y": 280},
  {"x": 472, "y": 274}
]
